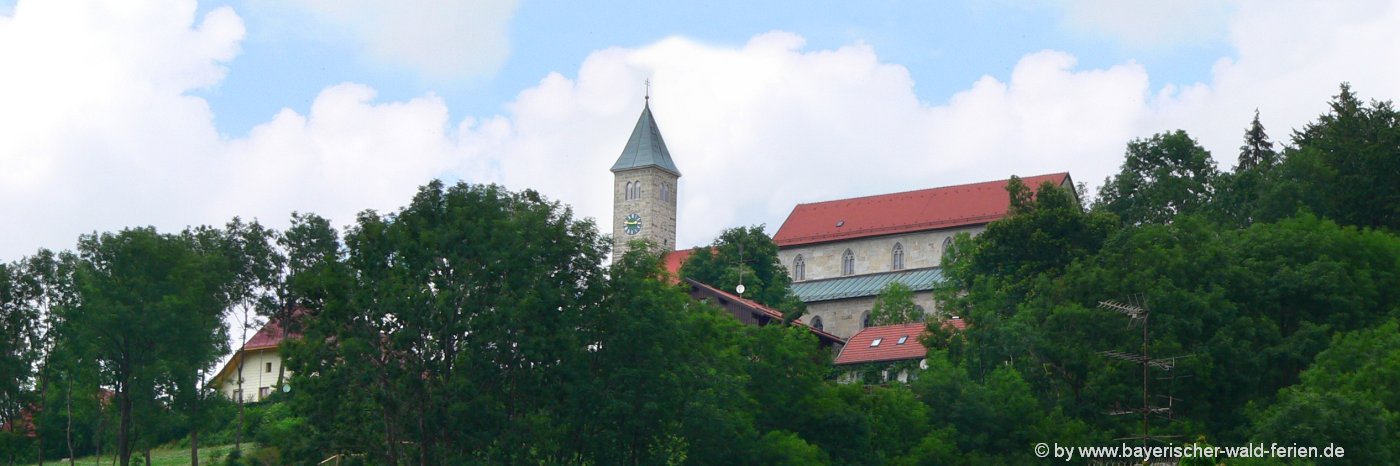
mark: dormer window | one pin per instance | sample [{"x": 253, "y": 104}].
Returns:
[
  {"x": 876, "y": 342},
  {"x": 902, "y": 339}
]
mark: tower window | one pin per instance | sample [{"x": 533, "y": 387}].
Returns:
[
  {"x": 665, "y": 191},
  {"x": 637, "y": 186},
  {"x": 897, "y": 257},
  {"x": 848, "y": 263},
  {"x": 799, "y": 268}
]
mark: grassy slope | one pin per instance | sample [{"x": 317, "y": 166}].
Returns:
[{"x": 161, "y": 456}]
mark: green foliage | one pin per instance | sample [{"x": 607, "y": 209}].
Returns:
[
  {"x": 1349, "y": 397},
  {"x": 1257, "y": 153},
  {"x": 1161, "y": 177},
  {"x": 779, "y": 448},
  {"x": 766, "y": 281},
  {"x": 150, "y": 310},
  {"x": 895, "y": 305}
]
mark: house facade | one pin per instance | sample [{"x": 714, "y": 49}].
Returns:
[{"x": 257, "y": 364}]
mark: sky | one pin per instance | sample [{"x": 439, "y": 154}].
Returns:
[{"x": 122, "y": 113}]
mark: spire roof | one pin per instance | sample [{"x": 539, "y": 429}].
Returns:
[{"x": 645, "y": 148}]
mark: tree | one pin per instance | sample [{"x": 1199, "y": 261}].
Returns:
[
  {"x": 457, "y": 316},
  {"x": 1357, "y": 148},
  {"x": 895, "y": 305},
  {"x": 752, "y": 255},
  {"x": 1239, "y": 196},
  {"x": 1161, "y": 177},
  {"x": 1257, "y": 151},
  {"x": 17, "y": 357},
  {"x": 150, "y": 308}
]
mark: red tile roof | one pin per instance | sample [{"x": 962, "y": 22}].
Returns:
[
  {"x": 885, "y": 214},
  {"x": 267, "y": 337},
  {"x": 858, "y": 349},
  {"x": 673, "y": 260}
]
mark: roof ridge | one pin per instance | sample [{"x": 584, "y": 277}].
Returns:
[{"x": 952, "y": 186}]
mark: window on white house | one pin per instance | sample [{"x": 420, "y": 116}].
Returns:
[
  {"x": 267, "y": 367},
  {"x": 897, "y": 257},
  {"x": 848, "y": 263},
  {"x": 264, "y": 392},
  {"x": 799, "y": 268}
]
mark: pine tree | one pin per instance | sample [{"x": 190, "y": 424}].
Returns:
[{"x": 1258, "y": 150}]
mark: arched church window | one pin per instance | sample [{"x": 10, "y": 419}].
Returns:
[
  {"x": 897, "y": 257},
  {"x": 817, "y": 322},
  {"x": 865, "y": 319},
  {"x": 848, "y": 263},
  {"x": 947, "y": 244},
  {"x": 799, "y": 268}
]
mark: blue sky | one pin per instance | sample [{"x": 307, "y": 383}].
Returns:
[
  {"x": 945, "y": 45},
  {"x": 117, "y": 113}
]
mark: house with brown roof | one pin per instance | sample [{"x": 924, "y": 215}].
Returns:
[
  {"x": 841, "y": 253},
  {"x": 753, "y": 313},
  {"x": 887, "y": 352},
  {"x": 257, "y": 363}
]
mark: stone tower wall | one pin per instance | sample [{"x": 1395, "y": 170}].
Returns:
[{"x": 658, "y": 215}]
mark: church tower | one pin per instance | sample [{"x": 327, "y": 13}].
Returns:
[{"x": 644, "y": 189}]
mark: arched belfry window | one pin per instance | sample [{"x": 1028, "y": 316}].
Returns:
[
  {"x": 817, "y": 322},
  {"x": 665, "y": 191},
  {"x": 947, "y": 244},
  {"x": 637, "y": 190},
  {"x": 897, "y": 257},
  {"x": 799, "y": 268},
  {"x": 848, "y": 263}
]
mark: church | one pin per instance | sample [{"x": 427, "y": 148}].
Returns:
[{"x": 840, "y": 253}]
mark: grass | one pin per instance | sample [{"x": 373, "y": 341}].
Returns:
[{"x": 160, "y": 456}]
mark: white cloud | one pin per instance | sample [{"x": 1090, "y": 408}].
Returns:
[
  {"x": 1148, "y": 23},
  {"x": 442, "y": 39},
  {"x": 97, "y": 131}
]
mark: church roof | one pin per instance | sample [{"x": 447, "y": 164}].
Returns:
[
  {"x": 910, "y": 211},
  {"x": 645, "y": 148},
  {"x": 858, "y": 286}
]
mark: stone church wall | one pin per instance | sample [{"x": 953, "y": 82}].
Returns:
[
  {"x": 873, "y": 255},
  {"x": 844, "y": 317}
]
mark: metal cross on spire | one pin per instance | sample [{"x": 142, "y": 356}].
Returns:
[{"x": 647, "y": 82}]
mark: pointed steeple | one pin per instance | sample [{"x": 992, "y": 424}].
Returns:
[{"x": 645, "y": 148}]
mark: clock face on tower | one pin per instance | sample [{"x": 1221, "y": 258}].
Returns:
[{"x": 632, "y": 224}]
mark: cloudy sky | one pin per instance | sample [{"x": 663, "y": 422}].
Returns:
[{"x": 118, "y": 113}]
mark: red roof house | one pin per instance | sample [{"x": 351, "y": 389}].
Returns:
[{"x": 889, "y": 343}]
